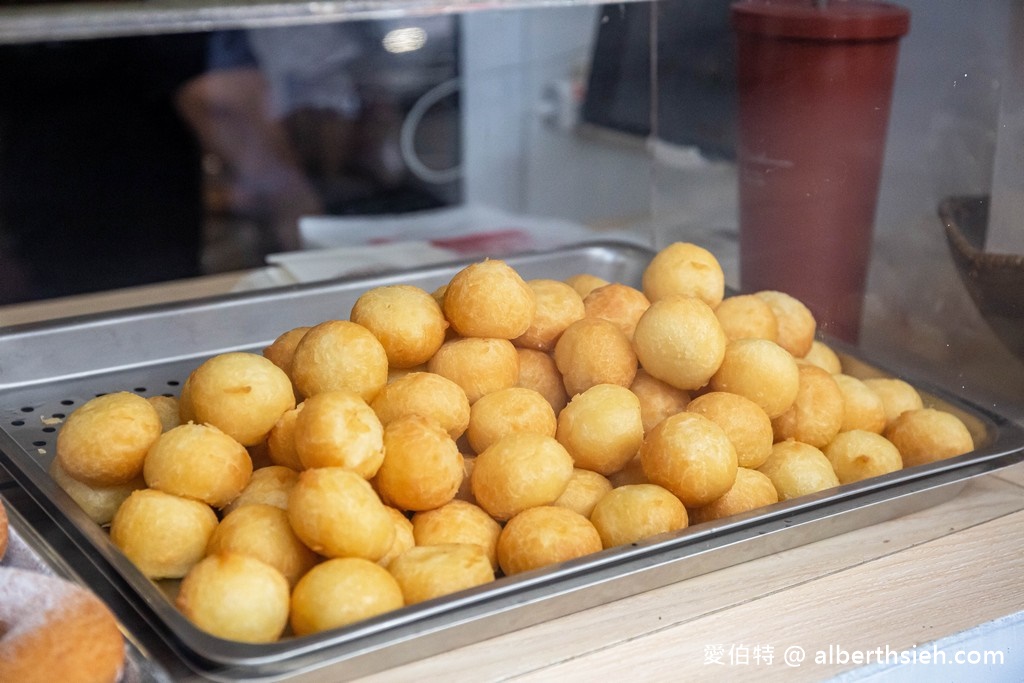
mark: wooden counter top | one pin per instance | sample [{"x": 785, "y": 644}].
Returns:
[{"x": 898, "y": 585}]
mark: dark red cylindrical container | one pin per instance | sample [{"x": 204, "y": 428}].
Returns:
[{"x": 815, "y": 84}]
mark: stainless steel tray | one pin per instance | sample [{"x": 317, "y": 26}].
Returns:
[{"x": 48, "y": 369}]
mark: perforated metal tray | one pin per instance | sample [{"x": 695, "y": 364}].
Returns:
[{"x": 46, "y": 370}]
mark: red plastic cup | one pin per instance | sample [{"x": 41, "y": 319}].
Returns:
[{"x": 815, "y": 84}]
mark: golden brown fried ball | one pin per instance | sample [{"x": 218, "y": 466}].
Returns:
[
  {"x": 558, "y": 306},
  {"x": 168, "y": 410},
  {"x": 897, "y": 396},
  {"x": 477, "y": 364},
  {"x": 339, "y": 429},
  {"x": 752, "y": 490},
  {"x": 863, "y": 408},
  {"x": 927, "y": 435},
  {"x": 822, "y": 355},
  {"x": 537, "y": 371},
  {"x": 859, "y": 454},
  {"x": 745, "y": 316},
  {"x": 798, "y": 469},
  {"x": 340, "y": 592},
  {"x": 594, "y": 351},
  {"x": 680, "y": 341},
  {"x": 686, "y": 269},
  {"x": 632, "y": 473},
  {"x": 520, "y": 471},
  {"x": 585, "y": 283},
  {"x": 545, "y": 535},
  {"x": 281, "y": 441},
  {"x": 162, "y": 534},
  {"x": 504, "y": 411},
  {"x": 796, "y": 322},
  {"x": 816, "y": 415},
  {"x": 268, "y": 485},
  {"x": 629, "y": 514},
  {"x": 658, "y": 399},
  {"x": 406, "y": 320},
  {"x": 104, "y": 441},
  {"x": 337, "y": 513},
  {"x": 458, "y": 522},
  {"x": 617, "y": 303},
  {"x": 585, "y": 488},
  {"x": 760, "y": 370},
  {"x": 242, "y": 394},
  {"x": 339, "y": 354},
  {"x": 404, "y": 538},
  {"x": 743, "y": 421},
  {"x": 489, "y": 299},
  {"x": 282, "y": 349},
  {"x": 427, "y": 394},
  {"x": 263, "y": 531},
  {"x": 100, "y": 503},
  {"x": 691, "y": 456},
  {"x": 432, "y": 571},
  {"x": 601, "y": 428},
  {"x": 236, "y": 597},
  {"x": 422, "y": 466},
  {"x": 200, "y": 462}
]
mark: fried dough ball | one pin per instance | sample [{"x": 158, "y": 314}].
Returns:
[
  {"x": 489, "y": 299},
  {"x": 658, "y": 399},
  {"x": 339, "y": 429},
  {"x": 752, "y": 490},
  {"x": 476, "y": 364},
  {"x": 760, "y": 370},
  {"x": 339, "y": 354},
  {"x": 897, "y": 396},
  {"x": 796, "y": 322},
  {"x": 427, "y": 394},
  {"x": 340, "y": 592},
  {"x": 798, "y": 469},
  {"x": 281, "y": 441},
  {"x": 268, "y": 485},
  {"x": 680, "y": 341},
  {"x": 458, "y": 522},
  {"x": 162, "y": 534},
  {"x": 422, "y": 466},
  {"x": 743, "y": 421},
  {"x": 466, "y": 489},
  {"x": 186, "y": 413},
  {"x": 168, "y": 410},
  {"x": 858, "y": 454},
  {"x": 406, "y": 320},
  {"x": 926, "y": 435},
  {"x": 281, "y": 351},
  {"x": 236, "y": 597},
  {"x": 601, "y": 428},
  {"x": 504, "y": 411},
  {"x": 537, "y": 371},
  {"x": 594, "y": 351},
  {"x": 558, "y": 306},
  {"x": 617, "y": 303},
  {"x": 632, "y": 473},
  {"x": 585, "y": 283},
  {"x": 686, "y": 269},
  {"x": 263, "y": 531},
  {"x": 585, "y": 488},
  {"x": 432, "y": 571},
  {"x": 822, "y": 355},
  {"x": 242, "y": 394},
  {"x": 404, "y": 537},
  {"x": 863, "y": 408},
  {"x": 104, "y": 441},
  {"x": 98, "y": 502},
  {"x": 198, "y": 461},
  {"x": 691, "y": 456},
  {"x": 543, "y": 536},
  {"x": 745, "y": 316},
  {"x": 816, "y": 415},
  {"x": 520, "y": 471},
  {"x": 629, "y": 514},
  {"x": 338, "y": 514}
]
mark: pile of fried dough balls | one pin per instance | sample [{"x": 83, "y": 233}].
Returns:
[{"x": 434, "y": 441}]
